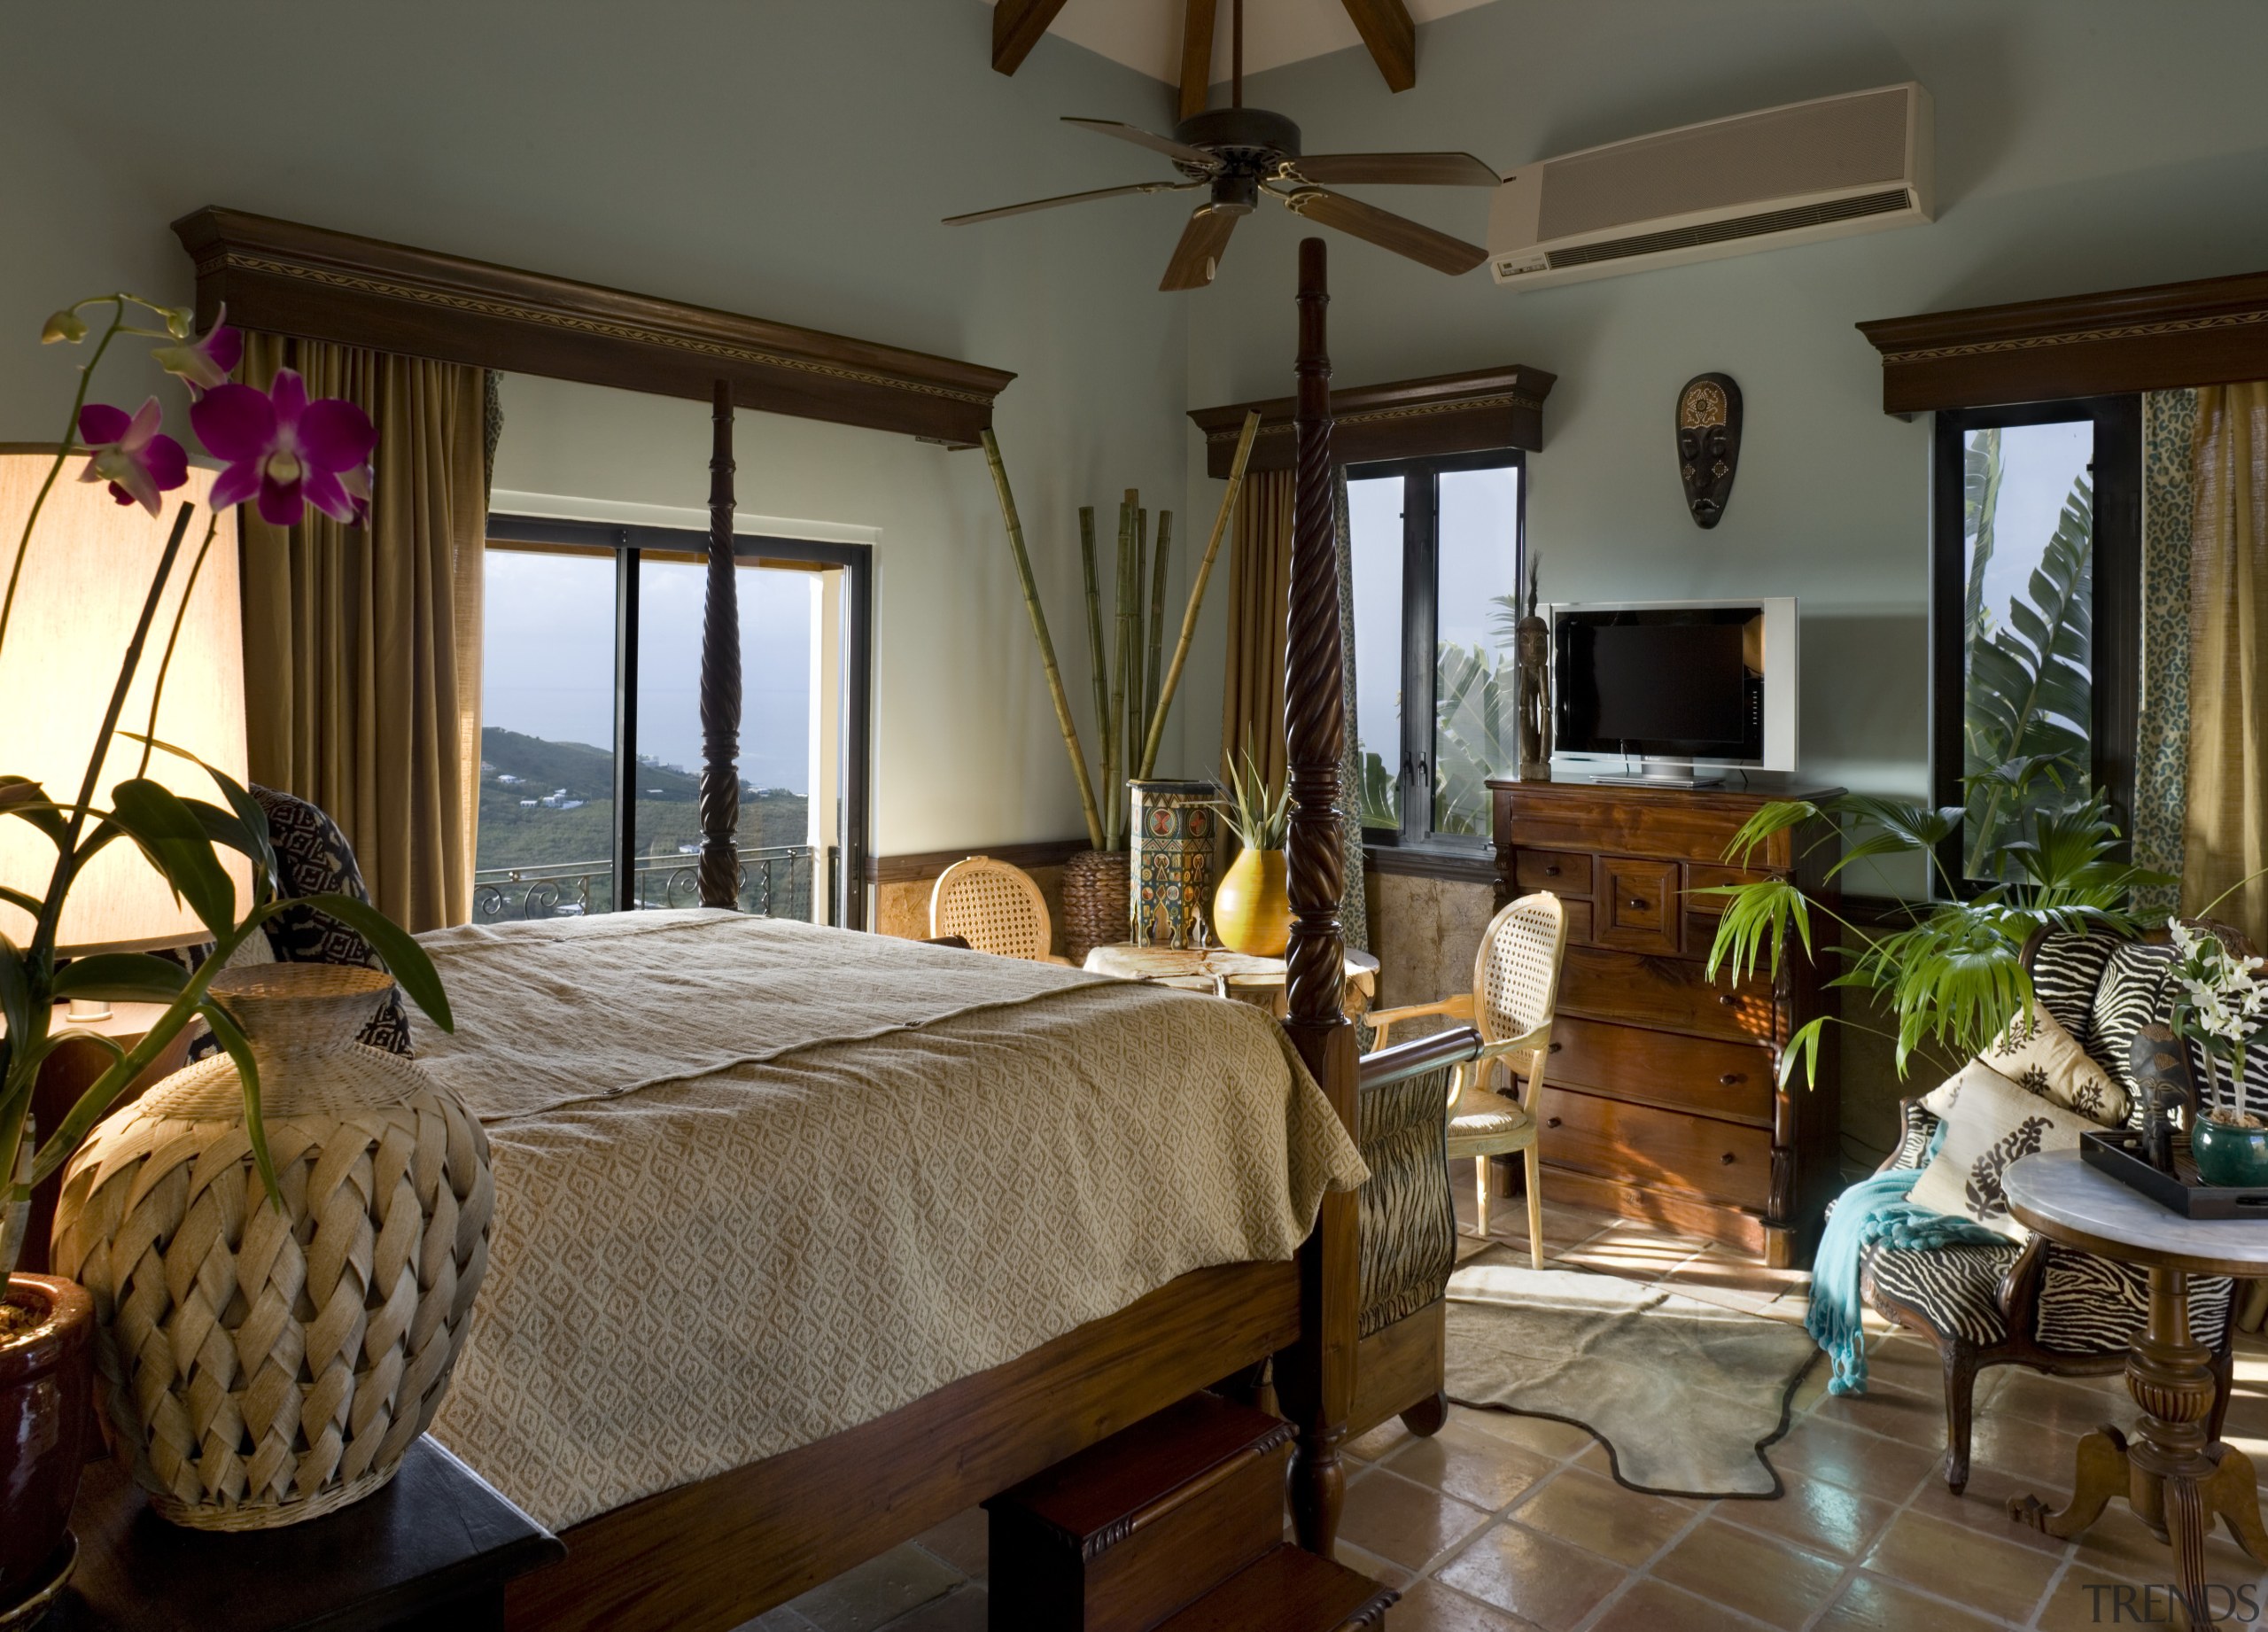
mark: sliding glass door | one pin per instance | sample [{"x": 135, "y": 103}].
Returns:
[{"x": 591, "y": 744}]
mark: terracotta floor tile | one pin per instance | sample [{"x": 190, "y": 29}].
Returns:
[
  {"x": 1811, "y": 1390},
  {"x": 962, "y": 1541},
  {"x": 1632, "y": 1251},
  {"x": 1755, "y": 1574},
  {"x": 876, "y": 1592},
  {"x": 2033, "y": 1454},
  {"x": 1996, "y": 1576},
  {"x": 2120, "y": 1544},
  {"x": 1871, "y": 1604},
  {"x": 1545, "y": 1435},
  {"x": 1380, "y": 1443},
  {"x": 1654, "y": 1606},
  {"x": 1842, "y": 1455},
  {"x": 1983, "y": 1506},
  {"x": 1428, "y": 1607},
  {"x": 1547, "y": 1581},
  {"x": 1815, "y": 1514},
  {"x": 2068, "y": 1406},
  {"x": 1916, "y": 1419},
  {"x": 964, "y": 1610},
  {"x": 1907, "y": 1363},
  {"x": 1370, "y": 1565},
  {"x": 1473, "y": 1465},
  {"x": 2086, "y": 1600},
  {"x": 1403, "y": 1522},
  {"x": 1718, "y": 1266},
  {"x": 1600, "y": 1516}
]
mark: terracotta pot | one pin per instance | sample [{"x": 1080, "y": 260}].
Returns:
[
  {"x": 1251, "y": 911},
  {"x": 46, "y": 1387},
  {"x": 333, "y": 1319},
  {"x": 2229, "y": 1156},
  {"x": 1094, "y": 901}
]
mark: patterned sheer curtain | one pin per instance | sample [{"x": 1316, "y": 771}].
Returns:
[
  {"x": 2162, "y": 746},
  {"x": 2225, "y": 825}
]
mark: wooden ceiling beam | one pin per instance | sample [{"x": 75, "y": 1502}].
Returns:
[
  {"x": 1196, "y": 57},
  {"x": 1388, "y": 33},
  {"x": 1016, "y": 28}
]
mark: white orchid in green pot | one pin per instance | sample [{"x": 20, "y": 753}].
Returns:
[
  {"x": 2220, "y": 1009},
  {"x": 98, "y": 805}
]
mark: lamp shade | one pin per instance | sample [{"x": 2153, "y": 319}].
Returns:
[{"x": 84, "y": 579}]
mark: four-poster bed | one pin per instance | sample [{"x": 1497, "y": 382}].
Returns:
[{"x": 715, "y": 1551}]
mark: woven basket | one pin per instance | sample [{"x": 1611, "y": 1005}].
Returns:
[
  {"x": 261, "y": 1365},
  {"x": 1094, "y": 901}
]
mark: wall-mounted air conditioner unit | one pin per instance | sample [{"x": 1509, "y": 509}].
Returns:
[{"x": 1823, "y": 169}]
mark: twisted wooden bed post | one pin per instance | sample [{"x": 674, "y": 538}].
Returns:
[
  {"x": 720, "y": 675},
  {"x": 1316, "y": 1384}
]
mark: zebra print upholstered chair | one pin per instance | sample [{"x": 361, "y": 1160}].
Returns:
[{"x": 2037, "y": 1303}]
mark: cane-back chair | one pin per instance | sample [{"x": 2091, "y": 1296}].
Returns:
[{"x": 995, "y": 907}]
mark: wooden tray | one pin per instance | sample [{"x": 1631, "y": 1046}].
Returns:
[{"x": 2119, "y": 1154}]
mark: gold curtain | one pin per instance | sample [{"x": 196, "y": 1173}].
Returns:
[
  {"x": 2226, "y": 834},
  {"x": 1260, "y": 589},
  {"x": 362, "y": 646}
]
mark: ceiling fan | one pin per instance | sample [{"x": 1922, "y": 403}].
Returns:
[{"x": 1238, "y": 155}]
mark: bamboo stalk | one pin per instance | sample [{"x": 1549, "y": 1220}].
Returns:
[
  {"x": 1122, "y": 609},
  {"x": 1098, "y": 672},
  {"x": 1107, "y": 725},
  {"x": 1153, "y": 667},
  {"x": 1197, "y": 592},
  {"x": 1137, "y": 676},
  {"x": 1039, "y": 630}
]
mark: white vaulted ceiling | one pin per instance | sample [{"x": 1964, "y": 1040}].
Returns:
[{"x": 1146, "y": 34}]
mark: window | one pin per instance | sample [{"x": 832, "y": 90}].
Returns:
[
  {"x": 591, "y": 732},
  {"x": 2036, "y": 615},
  {"x": 1437, "y": 548}
]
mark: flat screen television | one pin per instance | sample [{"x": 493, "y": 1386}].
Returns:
[{"x": 1650, "y": 690}]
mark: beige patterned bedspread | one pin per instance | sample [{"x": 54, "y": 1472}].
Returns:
[{"x": 687, "y": 1275}]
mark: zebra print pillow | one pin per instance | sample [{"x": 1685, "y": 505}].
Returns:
[
  {"x": 2065, "y": 972},
  {"x": 1992, "y": 1124}
]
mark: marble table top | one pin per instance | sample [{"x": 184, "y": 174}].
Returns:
[{"x": 2055, "y": 1192}]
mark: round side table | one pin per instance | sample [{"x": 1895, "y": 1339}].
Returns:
[{"x": 2175, "y": 1480}]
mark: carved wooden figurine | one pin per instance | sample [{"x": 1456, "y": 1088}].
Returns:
[
  {"x": 1708, "y": 444},
  {"x": 1532, "y": 646}
]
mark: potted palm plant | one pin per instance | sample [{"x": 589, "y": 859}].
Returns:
[
  {"x": 1252, "y": 911},
  {"x": 285, "y": 453}
]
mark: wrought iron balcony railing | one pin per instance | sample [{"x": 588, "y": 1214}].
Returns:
[{"x": 775, "y": 883}]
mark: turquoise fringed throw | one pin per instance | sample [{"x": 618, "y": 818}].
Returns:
[{"x": 1874, "y": 1210}]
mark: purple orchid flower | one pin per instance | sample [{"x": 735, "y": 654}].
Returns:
[
  {"x": 132, "y": 454},
  {"x": 203, "y": 364},
  {"x": 285, "y": 450}
]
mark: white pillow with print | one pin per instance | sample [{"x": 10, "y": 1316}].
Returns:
[
  {"x": 2039, "y": 1054},
  {"x": 1991, "y": 1125}
]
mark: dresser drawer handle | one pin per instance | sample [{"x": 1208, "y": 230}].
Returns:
[
  {"x": 1731, "y": 1077},
  {"x": 1726, "y": 1158},
  {"x": 1726, "y": 1000},
  {"x": 1551, "y": 870},
  {"x": 1556, "y": 1048},
  {"x": 1640, "y": 905},
  {"x": 1550, "y": 1122}
]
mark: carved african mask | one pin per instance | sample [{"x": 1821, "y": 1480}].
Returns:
[{"x": 1708, "y": 444}]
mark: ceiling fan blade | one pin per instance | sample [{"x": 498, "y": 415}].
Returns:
[
  {"x": 1385, "y": 229},
  {"x": 1181, "y": 152},
  {"x": 1203, "y": 242},
  {"x": 1411, "y": 170},
  {"x": 1068, "y": 198}
]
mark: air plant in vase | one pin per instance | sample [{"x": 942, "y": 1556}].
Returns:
[
  {"x": 2220, "y": 1009},
  {"x": 1133, "y": 689},
  {"x": 1251, "y": 910},
  {"x": 286, "y": 454}
]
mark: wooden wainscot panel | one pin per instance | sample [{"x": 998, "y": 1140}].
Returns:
[
  {"x": 1404, "y": 419},
  {"x": 1731, "y": 1080},
  {"x": 288, "y": 278},
  {"x": 1640, "y": 1144},
  {"x": 1667, "y": 994}
]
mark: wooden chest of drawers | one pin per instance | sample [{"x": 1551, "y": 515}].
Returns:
[{"x": 1662, "y": 1100}]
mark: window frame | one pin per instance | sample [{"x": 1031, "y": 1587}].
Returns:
[
  {"x": 2116, "y": 597},
  {"x": 846, "y": 894},
  {"x": 1420, "y": 635}
]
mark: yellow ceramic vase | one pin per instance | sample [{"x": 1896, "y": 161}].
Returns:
[{"x": 1251, "y": 912}]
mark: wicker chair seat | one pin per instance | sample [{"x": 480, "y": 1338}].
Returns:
[{"x": 1473, "y": 1126}]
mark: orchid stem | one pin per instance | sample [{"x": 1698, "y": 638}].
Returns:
[
  {"x": 181, "y": 616},
  {"x": 62, "y": 453}
]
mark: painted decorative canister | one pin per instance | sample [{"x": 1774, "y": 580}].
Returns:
[{"x": 1174, "y": 829}]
